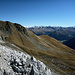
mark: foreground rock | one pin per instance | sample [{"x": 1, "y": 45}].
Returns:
[{"x": 14, "y": 62}]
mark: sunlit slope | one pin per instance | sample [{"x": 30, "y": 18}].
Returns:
[
  {"x": 47, "y": 49},
  {"x": 62, "y": 55}
]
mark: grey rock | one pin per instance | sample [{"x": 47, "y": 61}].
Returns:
[
  {"x": 14, "y": 62},
  {"x": 1, "y": 73}
]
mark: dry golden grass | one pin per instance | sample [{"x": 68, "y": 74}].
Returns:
[{"x": 60, "y": 54}]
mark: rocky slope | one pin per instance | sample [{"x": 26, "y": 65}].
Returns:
[
  {"x": 14, "y": 62},
  {"x": 58, "y": 57}
]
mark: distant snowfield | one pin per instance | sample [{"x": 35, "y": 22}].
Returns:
[{"x": 13, "y": 62}]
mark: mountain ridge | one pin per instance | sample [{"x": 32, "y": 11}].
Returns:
[{"x": 58, "y": 57}]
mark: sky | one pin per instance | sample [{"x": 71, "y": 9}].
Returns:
[{"x": 38, "y": 12}]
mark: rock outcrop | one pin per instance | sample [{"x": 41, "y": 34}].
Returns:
[{"x": 13, "y": 62}]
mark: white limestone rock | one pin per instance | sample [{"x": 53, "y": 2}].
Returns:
[{"x": 14, "y": 62}]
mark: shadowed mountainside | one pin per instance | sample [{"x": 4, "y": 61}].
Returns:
[
  {"x": 58, "y": 57},
  {"x": 70, "y": 43},
  {"x": 59, "y": 33}
]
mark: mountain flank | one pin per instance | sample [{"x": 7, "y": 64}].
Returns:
[
  {"x": 70, "y": 43},
  {"x": 58, "y": 57}
]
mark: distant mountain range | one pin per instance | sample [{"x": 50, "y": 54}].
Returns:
[
  {"x": 59, "y": 33},
  {"x": 57, "y": 56},
  {"x": 70, "y": 43}
]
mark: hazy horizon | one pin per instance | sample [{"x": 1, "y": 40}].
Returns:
[{"x": 48, "y": 26}]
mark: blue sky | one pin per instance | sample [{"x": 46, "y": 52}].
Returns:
[{"x": 38, "y": 12}]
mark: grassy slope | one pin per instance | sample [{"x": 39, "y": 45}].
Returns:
[
  {"x": 56, "y": 55},
  {"x": 48, "y": 50}
]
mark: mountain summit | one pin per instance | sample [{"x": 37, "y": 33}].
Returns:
[{"x": 58, "y": 57}]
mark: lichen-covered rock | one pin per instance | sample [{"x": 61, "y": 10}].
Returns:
[{"x": 14, "y": 62}]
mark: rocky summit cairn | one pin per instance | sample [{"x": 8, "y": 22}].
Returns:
[{"x": 14, "y": 62}]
